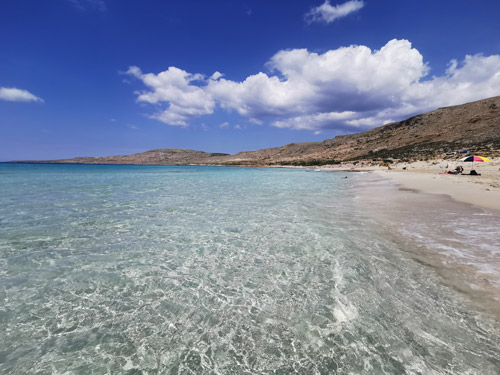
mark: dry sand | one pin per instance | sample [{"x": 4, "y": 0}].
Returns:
[{"x": 430, "y": 177}]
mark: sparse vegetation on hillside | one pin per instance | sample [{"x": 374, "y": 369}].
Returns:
[{"x": 472, "y": 126}]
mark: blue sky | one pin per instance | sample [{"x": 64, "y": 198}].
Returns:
[{"x": 108, "y": 77}]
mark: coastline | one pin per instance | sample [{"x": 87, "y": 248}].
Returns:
[
  {"x": 441, "y": 228},
  {"x": 424, "y": 176},
  {"x": 430, "y": 177},
  {"x": 459, "y": 188}
]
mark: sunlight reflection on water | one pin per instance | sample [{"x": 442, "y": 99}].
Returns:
[{"x": 217, "y": 270}]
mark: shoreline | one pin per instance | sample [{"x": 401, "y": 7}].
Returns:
[
  {"x": 460, "y": 188},
  {"x": 440, "y": 228},
  {"x": 430, "y": 177},
  {"x": 426, "y": 177}
]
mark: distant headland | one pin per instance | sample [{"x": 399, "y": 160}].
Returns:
[{"x": 474, "y": 126}]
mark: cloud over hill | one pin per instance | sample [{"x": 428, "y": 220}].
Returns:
[{"x": 349, "y": 88}]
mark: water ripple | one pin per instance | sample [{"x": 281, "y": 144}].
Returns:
[{"x": 186, "y": 270}]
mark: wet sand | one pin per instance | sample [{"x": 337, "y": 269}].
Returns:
[
  {"x": 469, "y": 189},
  {"x": 456, "y": 236},
  {"x": 431, "y": 177}
]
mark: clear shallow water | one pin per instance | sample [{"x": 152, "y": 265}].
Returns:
[
  {"x": 190, "y": 270},
  {"x": 461, "y": 240}
]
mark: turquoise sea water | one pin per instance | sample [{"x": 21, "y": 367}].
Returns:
[{"x": 207, "y": 270}]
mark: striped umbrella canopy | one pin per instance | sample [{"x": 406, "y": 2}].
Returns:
[{"x": 474, "y": 158}]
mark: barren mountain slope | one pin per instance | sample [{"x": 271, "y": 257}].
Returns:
[
  {"x": 475, "y": 126},
  {"x": 158, "y": 156}
]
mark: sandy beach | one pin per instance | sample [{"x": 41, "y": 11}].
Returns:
[
  {"x": 467, "y": 189},
  {"x": 431, "y": 177},
  {"x": 455, "y": 236}
]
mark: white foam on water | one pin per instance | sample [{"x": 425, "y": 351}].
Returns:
[{"x": 466, "y": 235}]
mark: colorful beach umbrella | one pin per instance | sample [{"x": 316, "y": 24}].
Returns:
[{"x": 474, "y": 158}]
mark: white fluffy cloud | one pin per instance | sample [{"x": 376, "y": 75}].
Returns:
[
  {"x": 175, "y": 87},
  {"x": 349, "y": 88},
  {"x": 17, "y": 95},
  {"x": 327, "y": 13},
  {"x": 313, "y": 122}
]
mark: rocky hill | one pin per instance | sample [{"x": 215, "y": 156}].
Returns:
[
  {"x": 474, "y": 126},
  {"x": 170, "y": 156}
]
